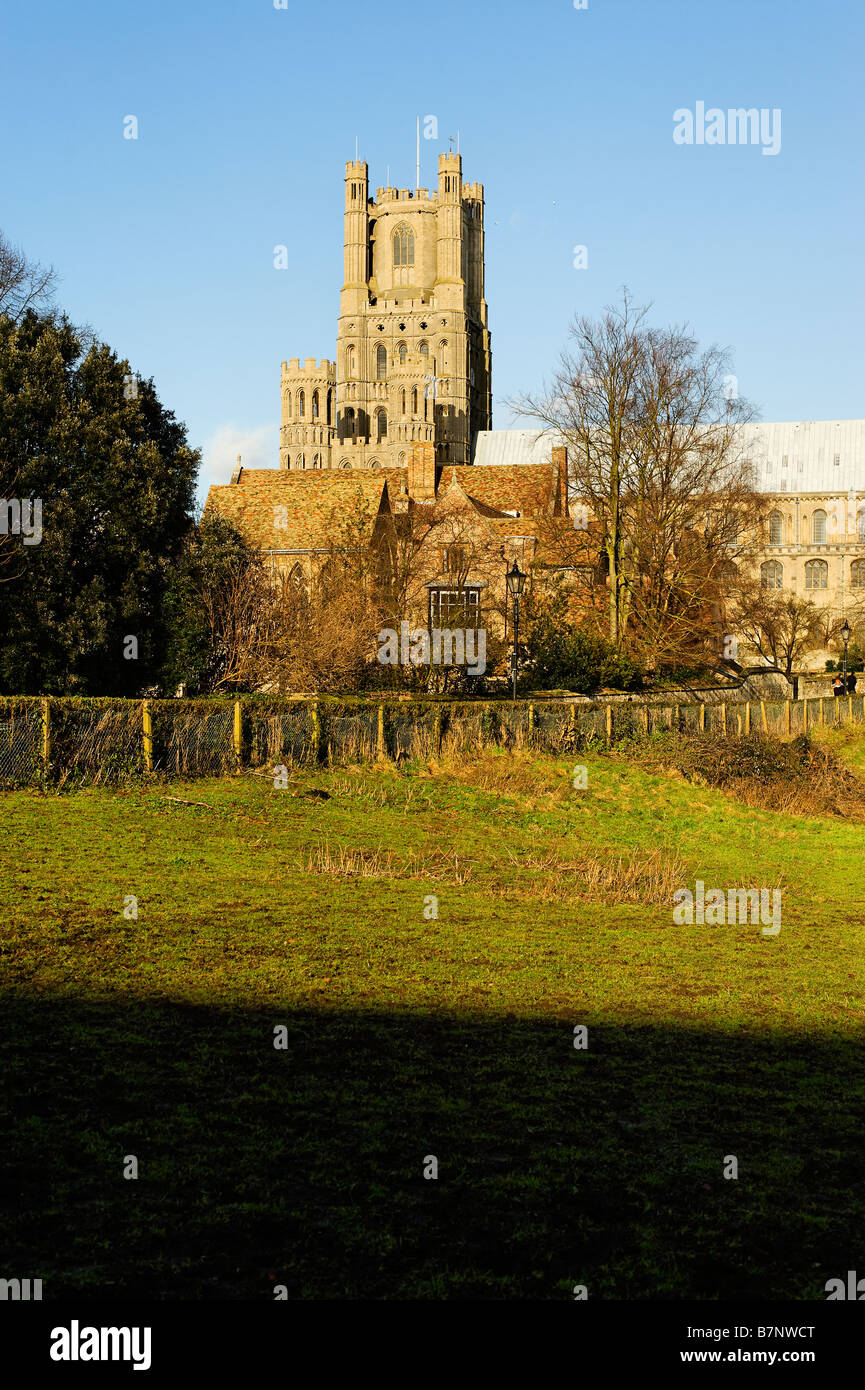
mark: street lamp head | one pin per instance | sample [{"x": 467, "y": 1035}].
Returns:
[
  {"x": 845, "y": 632},
  {"x": 516, "y": 580}
]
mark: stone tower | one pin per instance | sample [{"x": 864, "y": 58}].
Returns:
[{"x": 413, "y": 346}]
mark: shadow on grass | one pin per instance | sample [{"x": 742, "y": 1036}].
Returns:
[{"x": 304, "y": 1167}]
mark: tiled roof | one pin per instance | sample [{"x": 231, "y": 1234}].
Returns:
[
  {"x": 265, "y": 475},
  {"x": 524, "y": 488},
  {"x": 301, "y": 512}
]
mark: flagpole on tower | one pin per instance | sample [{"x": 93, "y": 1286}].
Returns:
[{"x": 417, "y": 170}]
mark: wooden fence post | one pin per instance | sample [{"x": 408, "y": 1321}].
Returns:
[
  {"x": 849, "y": 709},
  {"x": 46, "y": 734},
  {"x": 747, "y": 716},
  {"x": 821, "y": 715},
  {"x": 315, "y": 741},
  {"x": 804, "y": 714},
  {"x": 237, "y": 738},
  {"x": 646, "y": 720},
  {"x": 787, "y": 703},
  {"x": 147, "y": 735},
  {"x": 382, "y": 746},
  {"x": 763, "y": 718},
  {"x": 677, "y": 716},
  {"x": 724, "y": 718},
  {"x": 702, "y": 719},
  {"x": 609, "y": 725},
  {"x": 531, "y": 722}
]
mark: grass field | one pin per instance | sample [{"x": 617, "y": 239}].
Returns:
[{"x": 411, "y": 1035}]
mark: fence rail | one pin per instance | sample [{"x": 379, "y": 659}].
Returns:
[{"x": 56, "y": 741}]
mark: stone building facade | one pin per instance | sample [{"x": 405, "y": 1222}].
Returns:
[
  {"x": 413, "y": 359},
  {"x": 814, "y": 547}
]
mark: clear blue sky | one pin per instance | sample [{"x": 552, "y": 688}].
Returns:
[{"x": 247, "y": 114}]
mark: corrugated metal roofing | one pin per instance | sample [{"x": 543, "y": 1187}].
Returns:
[
  {"x": 514, "y": 446},
  {"x": 800, "y": 456},
  {"x": 810, "y": 448}
]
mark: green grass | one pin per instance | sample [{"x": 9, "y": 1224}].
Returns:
[{"x": 409, "y": 1037}]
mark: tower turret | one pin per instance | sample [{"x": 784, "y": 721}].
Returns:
[{"x": 356, "y": 241}]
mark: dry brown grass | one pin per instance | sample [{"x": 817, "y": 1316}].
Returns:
[
  {"x": 794, "y": 776},
  {"x": 644, "y": 878},
  {"x": 340, "y": 861}
]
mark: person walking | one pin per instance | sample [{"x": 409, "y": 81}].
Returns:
[
  {"x": 838, "y": 686},
  {"x": 851, "y": 682}
]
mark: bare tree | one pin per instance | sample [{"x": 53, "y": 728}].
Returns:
[
  {"x": 781, "y": 627},
  {"x": 24, "y": 284},
  {"x": 241, "y": 615},
  {"x": 655, "y": 457}
]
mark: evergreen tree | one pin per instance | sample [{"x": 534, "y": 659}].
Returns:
[{"x": 115, "y": 475}]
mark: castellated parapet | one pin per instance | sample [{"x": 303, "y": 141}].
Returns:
[{"x": 413, "y": 359}]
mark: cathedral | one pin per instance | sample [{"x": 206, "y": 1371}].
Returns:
[
  {"x": 404, "y": 415},
  {"x": 412, "y": 344}
]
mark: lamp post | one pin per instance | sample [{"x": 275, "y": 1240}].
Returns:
[
  {"x": 516, "y": 580},
  {"x": 845, "y": 638}
]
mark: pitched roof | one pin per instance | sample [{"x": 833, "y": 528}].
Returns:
[
  {"x": 800, "y": 456},
  {"x": 514, "y": 447},
  {"x": 262, "y": 475},
  {"x": 525, "y": 488},
  {"x": 300, "y": 511}
]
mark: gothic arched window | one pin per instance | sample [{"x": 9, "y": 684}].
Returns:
[
  {"x": 403, "y": 246},
  {"x": 772, "y": 575},
  {"x": 402, "y": 403},
  {"x": 380, "y": 425},
  {"x": 423, "y": 349},
  {"x": 414, "y": 400},
  {"x": 860, "y": 530},
  {"x": 297, "y": 579},
  {"x": 816, "y": 574},
  {"x": 818, "y": 528},
  {"x": 380, "y": 362},
  {"x": 329, "y": 405},
  {"x": 857, "y": 574},
  {"x": 349, "y": 361},
  {"x": 300, "y": 404},
  {"x": 776, "y": 528},
  {"x": 403, "y": 351},
  {"x": 315, "y": 405}
]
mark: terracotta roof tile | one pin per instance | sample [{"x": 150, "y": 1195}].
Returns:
[
  {"x": 298, "y": 513},
  {"x": 527, "y": 488}
]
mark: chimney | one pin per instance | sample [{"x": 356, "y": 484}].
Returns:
[
  {"x": 560, "y": 463},
  {"x": 422, "y": 471}
]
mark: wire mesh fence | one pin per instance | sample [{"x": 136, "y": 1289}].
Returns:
[
  {"x": 21, "y": 761},
  {"x": 79, "y": 741}
]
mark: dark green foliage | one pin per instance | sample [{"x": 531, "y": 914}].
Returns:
[
  {"x": 115, "y": 475},
  {"x": 564, "y": 657},
  {"x": 855, "y": 660},
  {"x": 214, "y": 553}
]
